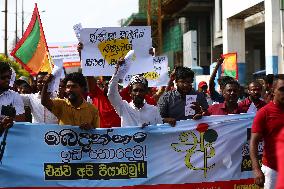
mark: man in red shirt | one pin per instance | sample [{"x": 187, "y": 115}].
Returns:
[
  {"x": 280, "y": 160},
  {"x": 253, "y": 103},
  {"x": 230, "y": 105},
  {"x": 266, "y": 126},
  {"x": 108, "y": 116}
]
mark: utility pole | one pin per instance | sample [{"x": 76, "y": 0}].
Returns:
[
  {"x": 6, "y": 28},
  {"x": 154, "y": 19},
  {"x": 23, "y": 17},
  {"x": 160, "y": 27},
  {"x": 16, "y": 30}
]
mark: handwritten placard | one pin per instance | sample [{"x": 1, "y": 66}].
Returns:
[
  {"x": 158, "y": 76},
  {"x": 104, "y": 46},
  {"x": 189, "y": 100},
  {"x": 57, "y": 73}
]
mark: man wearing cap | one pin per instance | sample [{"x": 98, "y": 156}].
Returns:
[
  {"x": 203, "y": 88},
  {"x": 137, "y": 112}
]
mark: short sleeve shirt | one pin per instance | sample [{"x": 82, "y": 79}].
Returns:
[
  {"x": 172, "y": 104},
  {"x": 69, "y": 115},
  {"x": 269, "y": 122}
]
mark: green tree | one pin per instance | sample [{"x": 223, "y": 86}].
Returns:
[{"x": 20, "y": 71}]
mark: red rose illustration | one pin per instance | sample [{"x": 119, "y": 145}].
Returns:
[{"x": 202, "y": 127}]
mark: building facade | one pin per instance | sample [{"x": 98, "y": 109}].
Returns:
[{"x": 196, "y": 32}]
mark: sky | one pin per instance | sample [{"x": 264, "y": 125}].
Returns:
[{"x": 59, "y": 16}]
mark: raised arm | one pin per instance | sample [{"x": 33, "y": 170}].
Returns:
[
  {"x": 79, "y": 48},
  {"x": 45, "y": 96},
  {"x": 213, "y": 75},
  {"x": 113, "y": 94}
]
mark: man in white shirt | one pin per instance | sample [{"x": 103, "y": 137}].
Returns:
[
  {"x": 137, "y": 112},
  {"x": 39, "y": 113},
  {"x": 7, "y": 96}
]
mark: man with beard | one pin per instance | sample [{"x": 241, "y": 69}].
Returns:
[
  {"x": 172, "y": 104},
  {"x": 137, "y": 112},
  {"x": 267, "y": 126},
  {"x": 39, "y": 113},
  {"x": 73, "y": 110},
  {"x": 230, "y": 104},
  {"x": 9, "y": 97},
  {"x": 253, "y": 103}
]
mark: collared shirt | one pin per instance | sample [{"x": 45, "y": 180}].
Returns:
[
  {"x": 220, "y": 109},
  {"x": 69, "y": 115},
  {"x": 171, "y": 104},
  {"x": 246, "y": 104},
  {"x": 13, "y": 98},
  {"x": 129, "y": 114},
  {"x": 39, "y": 113}
]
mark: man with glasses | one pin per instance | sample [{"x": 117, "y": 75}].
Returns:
[
  {"x": 173, "y": 105},
  {"x": 9, "y": 98}
]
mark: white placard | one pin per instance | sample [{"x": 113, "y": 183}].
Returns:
[
  {"x": 189, "y": 100},
  {"x": 158, "y": 76},
  {"x": 77, "y": 29},
  {"x": 104, "y": 46},
  {"x": 57, "y": 73},
  {"x": 129, "y": 59}
]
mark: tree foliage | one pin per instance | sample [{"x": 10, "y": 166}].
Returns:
[{"x": 20, "y": 71}]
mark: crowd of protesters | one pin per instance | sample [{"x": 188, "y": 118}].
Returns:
[{"x": 90, "y": 103}]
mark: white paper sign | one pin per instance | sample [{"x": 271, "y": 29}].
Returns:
[
  {"x": 57, "y": 73},
  {"x": 158, "y": 76},
  {"x": 77, "y": 29},
  {"x": 189, "y": 100},
  {"x": 104, "y": 46},
  {"x": 129, "y": 59}
]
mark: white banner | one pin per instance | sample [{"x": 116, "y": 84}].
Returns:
[
  {"x": 213, "y": 149},
  {"x": 66, "y": 51},
  {"x": 104, "y": 46}
]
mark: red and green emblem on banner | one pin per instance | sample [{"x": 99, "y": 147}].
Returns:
[
  {"x": 230, "y": 66},
  {"x": 32, "y": 51}
]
